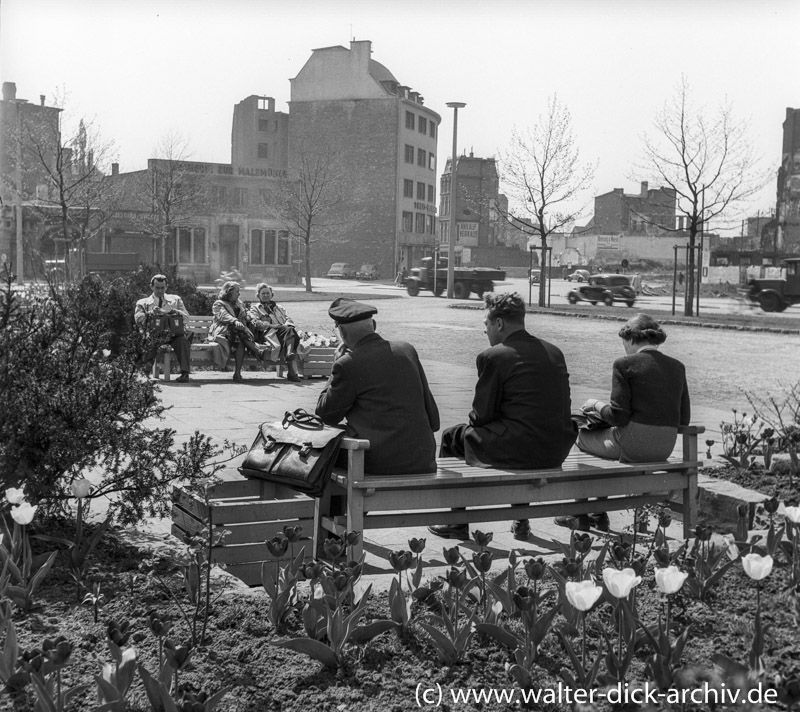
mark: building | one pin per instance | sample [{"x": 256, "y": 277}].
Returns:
[
  {"x": 349, "y": 107},
  {"x": 23, "y": 177},
  {"x": 788, "y": 204},
  {"x": 649, "y": 212}
]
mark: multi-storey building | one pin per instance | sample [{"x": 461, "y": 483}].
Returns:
[
  {"x": 382, "y": 137},
  {"x": 788, "y": 207},
  {"x": 650, "y": 212}
]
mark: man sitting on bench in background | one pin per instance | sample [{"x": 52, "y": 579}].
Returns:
[
  {"x": 379, "y": 386},
  {"x": 158, "y": 304},
  {"x": 520, "y": 418}
]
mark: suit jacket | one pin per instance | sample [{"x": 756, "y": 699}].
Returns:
[
  {"x": 146, "y": 305},
  {"x": 381, "y": 388},
  {"x": 520, "y": 415}
]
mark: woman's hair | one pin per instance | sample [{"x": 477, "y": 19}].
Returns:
[
  {"x": 643, "y": 329},
  {"x": 226, "y": 290},
  {"x": 261, "y": 286},
  {"x": 509, "y": 306}
]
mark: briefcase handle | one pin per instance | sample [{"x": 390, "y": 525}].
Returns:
[{"x": 302, "y": 419}]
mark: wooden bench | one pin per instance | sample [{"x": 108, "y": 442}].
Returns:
[
  {"x": 317, "y": 362},
  {"x": 356, "y": 502}
]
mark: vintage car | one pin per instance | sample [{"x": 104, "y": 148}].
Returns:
[
  {"x": 341, "y": 270},
  {"x": 606, "y": 288},
  {"x": 536, "y": 276},
  {"x": 368, "y": 271},
  {"x": 579, "y": 275}
]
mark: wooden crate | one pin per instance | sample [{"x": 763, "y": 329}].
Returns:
[
  {"x": 318, "y": 362},
  {"x": 252, "y": 511}
]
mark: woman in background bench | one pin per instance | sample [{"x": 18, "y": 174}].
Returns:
[
  {"x": 231, "y": 331},
  {"x": 273, "y": 327}
]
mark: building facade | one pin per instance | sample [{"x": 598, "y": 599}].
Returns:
[
  {"x": 649, "y": 212},
  {"x": 382, "y": 137},
  {"x": 788, "y": 204}
]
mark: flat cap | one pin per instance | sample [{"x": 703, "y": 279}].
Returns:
[{"x": 346, "y": 311}]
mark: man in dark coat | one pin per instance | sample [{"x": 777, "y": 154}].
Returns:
[
  {"x": 520, "y": 416},
  {"x": 380, "y": 387}
]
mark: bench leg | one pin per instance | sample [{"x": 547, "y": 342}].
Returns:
[
  {"x": 167, "y": 364},
  {"x": 690, "y": 505},
  {"x": 355, "y": 499}
]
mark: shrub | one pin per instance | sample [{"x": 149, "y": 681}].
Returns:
[{"x": 74, "y": 399}]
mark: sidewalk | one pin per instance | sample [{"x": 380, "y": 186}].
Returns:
[{"x": 215, "y": 406}]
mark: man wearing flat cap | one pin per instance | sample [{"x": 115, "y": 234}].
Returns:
[{"x": 380, "y": 388}]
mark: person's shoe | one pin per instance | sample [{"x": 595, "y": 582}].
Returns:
[
  {"x": 450, "y": 531},
  {"x": 600, "y": 521},
  {"x": 582, "y": 522},
  {"x": 521, "y": 529},
  {"x": 183, "y": 378},
  {"x": 238, "y": 377}
]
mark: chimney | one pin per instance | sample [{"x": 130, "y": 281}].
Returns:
[
  {"x": 9, "y": 91},
  {"x": 361, "y": 50},
  {"x": 644, "y": 190},
  {"x": 41, "y": 99},
  {"x": 115, "y": 169}
]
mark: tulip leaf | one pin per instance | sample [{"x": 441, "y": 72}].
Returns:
[
  {"x": 446, "y": 650},
  {"x": 365, "y": 633},
  {"x": 501, "y": 635},
  {"x": 313, "y": 648}
]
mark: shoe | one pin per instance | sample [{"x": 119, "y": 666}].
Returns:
[
  {"x": 600, "y": 521},
  {"x": 238, "y": 377},
  {"x": 450, "y": 531},
  {"x": 521, "y": 529},
  {"x": 293, "y": 377},
  {"x": 183, "y": 378},
  {"x": 582, "y": 522}
]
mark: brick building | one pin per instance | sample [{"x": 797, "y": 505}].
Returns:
[
  {"x": 383, "y": 137},
  {"x": 649, "y": 212},
  {"x": 788, "y": 206}
]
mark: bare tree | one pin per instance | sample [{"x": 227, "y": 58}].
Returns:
[
  {"x": 313, "y": 201},
  {"x": 708, "y": 160},
  {"x": 543, "y": 177},
  {"x": 75, "y": 200}
]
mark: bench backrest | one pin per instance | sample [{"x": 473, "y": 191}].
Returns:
[{"x": 198, "y": 325}]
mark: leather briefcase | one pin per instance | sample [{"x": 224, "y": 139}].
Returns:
[{"x": 298, "y": 452}]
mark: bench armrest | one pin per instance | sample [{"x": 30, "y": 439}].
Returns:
[
  {"x": 691, "y": 429},
  {"x": 354, "y": 444}
]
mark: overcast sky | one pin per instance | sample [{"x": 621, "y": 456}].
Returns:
[{"x": 141, "y": 68}]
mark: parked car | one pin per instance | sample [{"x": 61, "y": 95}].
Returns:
[
  {"x": 368, "y": 271},
  {"x": 536, "y": 276},
  {"x": 341, "y": 270},
  {"x": 579, "y": 275},
  {"x": 606, "y": 288}
]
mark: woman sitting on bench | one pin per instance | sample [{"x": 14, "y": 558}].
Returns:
[
  {"x": 273, "y": 327},
  {"x": 231, "y": 331}
]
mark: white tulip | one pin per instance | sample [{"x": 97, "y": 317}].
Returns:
[
  {"x": 757, "y": 567},
  {"x": 793, "y": 514},
  {"x": 670, "y": 579},
  {"x": 15, "y": 495},
  {"x": 23, "y": 513},
  {"x": 583, "y": 594},
  {"x": 81, "y": 488},
  {"x": 620, "y": 583}
]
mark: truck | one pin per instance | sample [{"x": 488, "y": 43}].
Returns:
[
  {"x": 774, "y": 295},
  {"x": 466, "y": 279}
]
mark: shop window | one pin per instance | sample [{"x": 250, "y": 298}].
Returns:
[
  {"x": 188, "y": 244},
  {"x": 283, "y": 247},
  {"x": 262, "y": 247}
]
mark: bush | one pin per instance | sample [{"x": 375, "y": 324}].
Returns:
[{"x": 74, "y": 398}]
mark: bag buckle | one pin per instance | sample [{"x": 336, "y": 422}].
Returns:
[
  {"x": 305, "y": 451},
  {"x": 270, "y": 443}
]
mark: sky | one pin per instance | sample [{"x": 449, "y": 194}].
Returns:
[{"x": 140, "y": 69}]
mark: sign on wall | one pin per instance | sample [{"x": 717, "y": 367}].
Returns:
[
  {"x": 468, "y": 232},
  {"x": 608, "y": 242}
]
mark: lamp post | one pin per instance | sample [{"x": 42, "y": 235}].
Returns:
[{"x": 451, "y": 244}]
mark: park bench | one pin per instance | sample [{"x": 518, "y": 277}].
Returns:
[
  {"x": 252, "y": 510},
  {"x": 318, "y": 361},
  {"x": 357, "y": 502}
]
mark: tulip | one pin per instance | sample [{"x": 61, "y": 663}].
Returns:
[
  {"x": 456, "y": 577},
  {"x": 118, "y": 633},
  {"x": 582, "y": 595},
  {"x": 352, "y": 538},
  {"x": 278, "y": 545},
  {"x": 620, "y": 583},
  {"x": 664, "y": 519},
  {"x": 524, "y": 598},
  {"x": 670, "y": 579},
  {"x": 638, "y": 564},
  {"x": 771, "y": 505},
  {"x": 702, "y": 532},
  {"x": 292, "y": 534},
  {"x": 661, "y": 555},
  {"x": 535, "y": 568},
  {"x": 23, "y": 513},
  {"x": 417, "y": 546},
  {"x": 582, "y": 541},
  {"x": 15, "y": 495},
  {"x": 757, "y": 567},
  {"x": 732, "y": 547},
  {"x": 57, "y": 651},
  {"x": 452, "y": 556},
  {"x": 482, "y": 539},
  {"x": 333, "y": 547},
  {"x": 400, "y": 560},
  {"x": 482, "y": 561},
  {"x": 793, "y": 514},
  {"x": 81, "y": 488},
  {"x": 621, "y": 551}
]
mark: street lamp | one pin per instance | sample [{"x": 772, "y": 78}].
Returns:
[{"x": 451, "y": 245}]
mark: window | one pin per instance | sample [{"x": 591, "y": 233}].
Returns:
[
  {"x": 431, "y": 194},
  {"x": 408, "y": 188},
  {"x": 433, "y": 130},
  {"x": 431, "y": 224},
  {"x": 431, "y": 161},
  {"x": 408, "y": 221},
  {"x": 263, "y": 104},
  {"x": 420, "y": 191},
  {"x": 240, "y": 197},
  {"x": 283, "y": 247},
  {"x": 420, "y": 223},
  {"x": 421, "y": 154},
  {"x": 409, "y": 120},
  {"x": 263, "y": 150},
  {"x": 423, "y": 125},
  {"x": 263, "y": 124},
  {"x": 409, "y": 154},
  {"x": 188, "y": 244},
  {"x": 220, "y": 194},
  {"x": 262, "y": 247}
]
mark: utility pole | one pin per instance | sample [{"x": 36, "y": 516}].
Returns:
[{"x": 451, "y": 245}]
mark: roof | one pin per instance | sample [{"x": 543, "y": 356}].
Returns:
[{"x": 379, "y": 72}]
